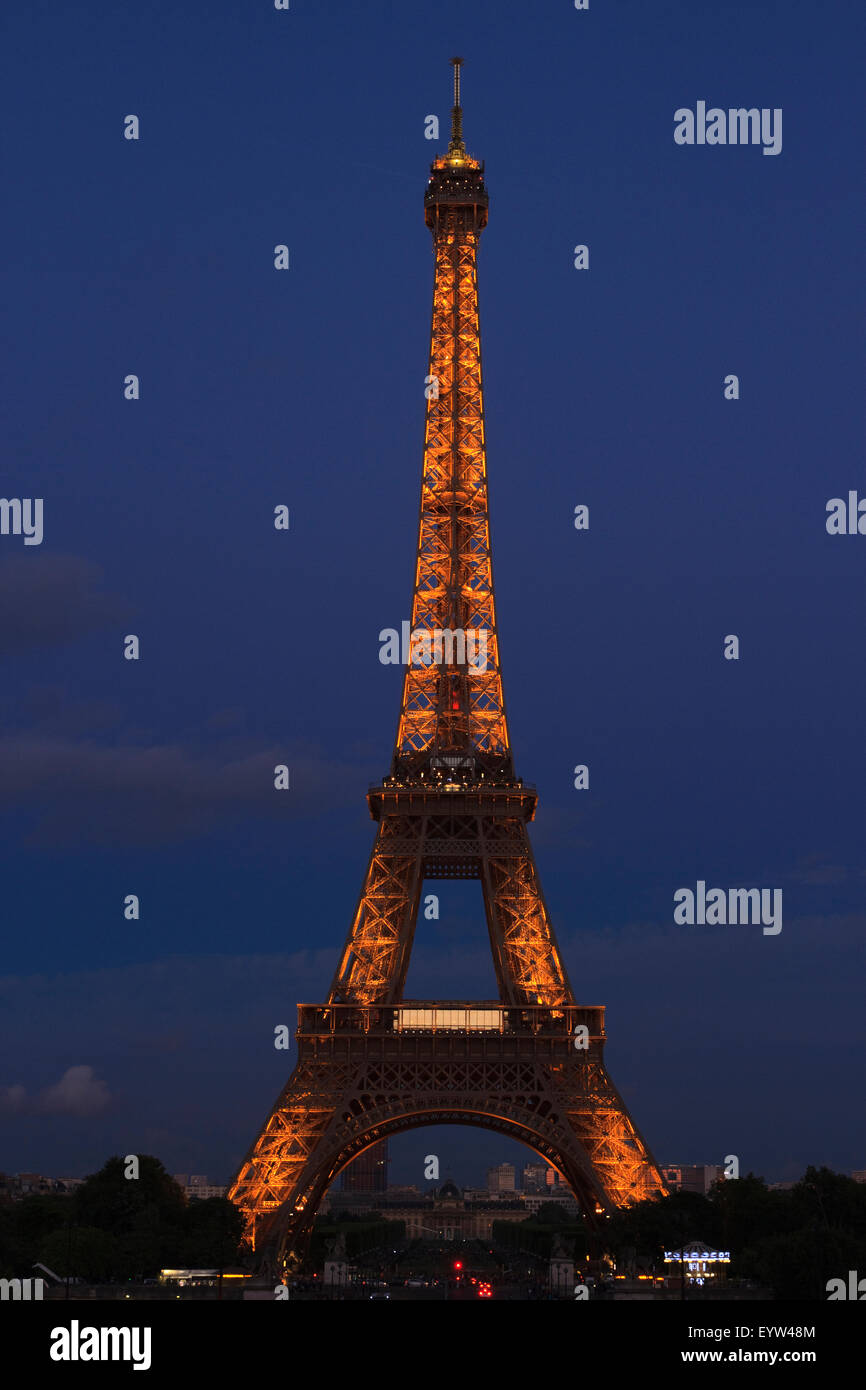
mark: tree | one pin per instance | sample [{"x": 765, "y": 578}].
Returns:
[
  {"x": 798, "y": 1264},
  {"x": 825, "y": 1198},
  {"x": 36, "y": 1216},
  {"x": 551, "y": 1214},
  {"x": 747, "y": 1212},
  {"x": 213, "y": 1231},
  {"x": 84, "y": 1252},
  {"x": 113, "y": 1202},
  {"x": 147, "y": 1214},
  {"x": 24, "y": 1224},
  {"x": 648, "y": 1228}
]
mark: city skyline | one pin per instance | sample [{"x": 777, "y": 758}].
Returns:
[{"x": 691, "y": 1176}]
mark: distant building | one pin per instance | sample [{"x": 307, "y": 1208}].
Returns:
[
  {"x": 563, "y": 1197},
  {"x": 28, "y": 1183},
  {"x": 502, "y": 1178},
  {"x": 446, "y": 1214},
  {"x": 15, "y": 1186},
  {"x": 535, "y": 1177},
  {"x": 369, "y": 1171},
  {"x": 359, "y": 1203},
  {"x": 692, "y": 1177},
  {"x": 196, "y": 1187},
  {"x": 859, "y": 1175},
  {"x": 70, "y": 1184}
]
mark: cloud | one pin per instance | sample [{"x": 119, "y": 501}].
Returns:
[
  {"x": 818, "y": 869},
  {"x": 79, "y": 1092},
  {"x": 49, "y": 599},
  {"x": 12, "y": 1099},
  {"x": 89, "y": 793}
]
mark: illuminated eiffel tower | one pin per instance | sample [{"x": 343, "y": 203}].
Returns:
[{"x": 370, "y": 1063}]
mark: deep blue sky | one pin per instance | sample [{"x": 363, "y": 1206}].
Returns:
[{"x": 306, "y": 388}]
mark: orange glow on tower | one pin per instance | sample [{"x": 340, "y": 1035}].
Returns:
[{"x": 451, "y": 806}]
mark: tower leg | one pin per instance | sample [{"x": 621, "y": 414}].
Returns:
[{"x": 376, "y": 955}]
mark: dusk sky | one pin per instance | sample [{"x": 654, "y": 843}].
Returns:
[{"x": 304, "y": 387}]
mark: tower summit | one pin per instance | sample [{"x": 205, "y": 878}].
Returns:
[
  {"x": 455, "y": 149},
  {"x": 452, "y": 718},
  {"x": 370, "y": 1063}
]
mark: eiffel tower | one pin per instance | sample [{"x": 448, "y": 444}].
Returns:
[{"x": 370, "y": 1063}]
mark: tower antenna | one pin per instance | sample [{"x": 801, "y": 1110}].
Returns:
[{"x": 456, "y": 147}]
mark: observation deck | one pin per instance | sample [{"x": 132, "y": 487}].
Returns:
[
  {"x": 451, "y": 1018},
  {"x": 443, "y": 797}
]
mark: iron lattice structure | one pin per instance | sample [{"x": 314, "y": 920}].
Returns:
[{"x": 371, "y": 1064}]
